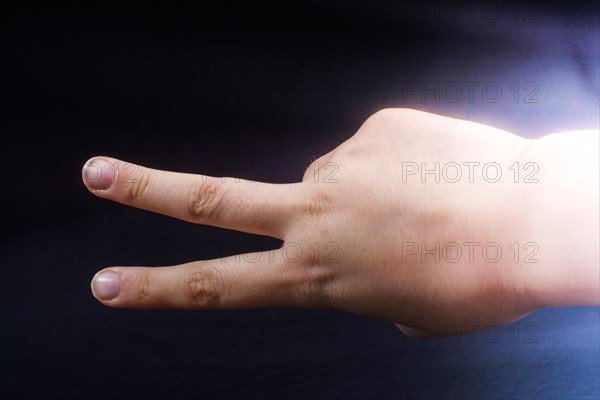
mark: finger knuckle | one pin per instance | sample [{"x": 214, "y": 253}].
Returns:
[
  {"x": 385, "y": 114},
  {"x": 382, "y": 116},
  {"x": 205, "y": 199},
  {"x": 317, "y": 203},
  {"x": 312, "y": 171},
  {"x": 201, "y": 288},
  {"x": 313, "y": 281},
  {"x": 385, "y": 120},
  {"x": 144, "y": 290},
  {"x": 137, "y": 187}
]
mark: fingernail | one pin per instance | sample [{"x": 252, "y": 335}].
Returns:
[
  {"x": 98, "y": 174},
  {"x": 106, "y": 285}
]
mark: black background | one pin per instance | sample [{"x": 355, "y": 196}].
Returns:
[{"x": 256, "y": 90}]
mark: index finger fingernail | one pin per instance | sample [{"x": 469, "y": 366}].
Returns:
[{"x": 98, "y": 174}]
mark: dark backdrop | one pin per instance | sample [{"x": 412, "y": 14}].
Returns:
[{"x": 257, "y": 91}]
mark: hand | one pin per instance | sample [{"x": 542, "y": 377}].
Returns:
[{"x": 365, "y": 231}]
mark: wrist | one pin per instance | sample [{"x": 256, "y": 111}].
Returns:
[{"x": 562, "y": 219}]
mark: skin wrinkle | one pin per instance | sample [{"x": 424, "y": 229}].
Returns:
[
  {"x": 204, "y": 200},
  {"x": 137, "y": 186},
  {"x": 144, "y": 291},
  {"x": 201, "y": 288}
]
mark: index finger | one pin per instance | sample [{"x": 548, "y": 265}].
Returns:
[{"x": 248, "y": 206}]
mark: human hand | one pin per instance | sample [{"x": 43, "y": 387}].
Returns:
[{"x": 364, "y": 232}]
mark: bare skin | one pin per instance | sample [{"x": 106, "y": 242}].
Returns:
[{"x": 374, "y": 230}]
